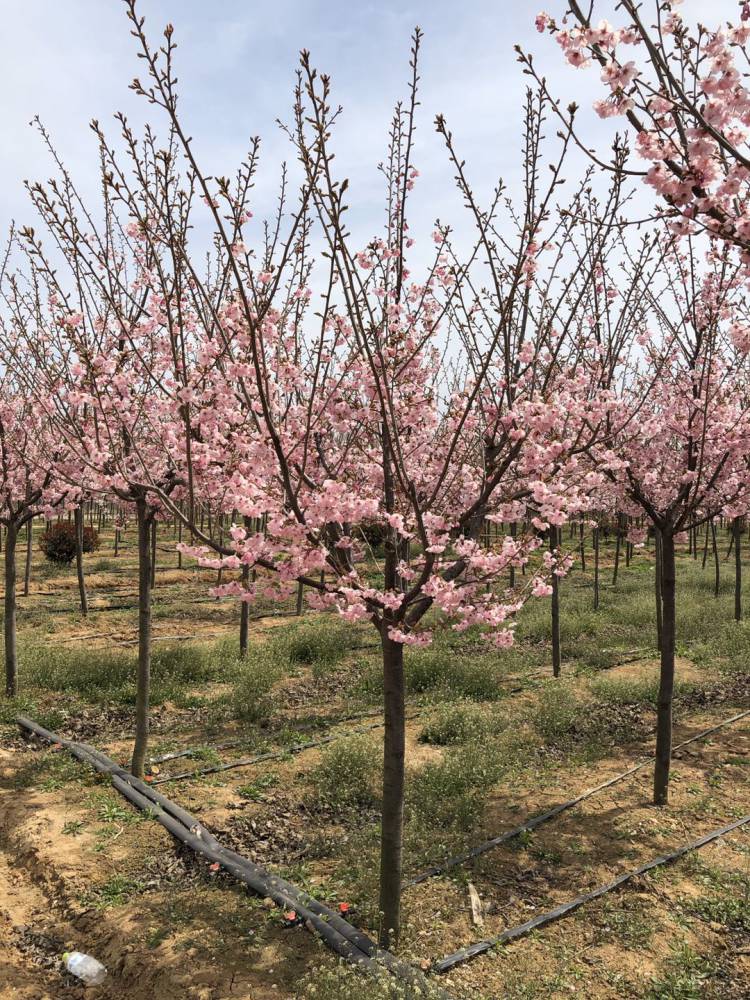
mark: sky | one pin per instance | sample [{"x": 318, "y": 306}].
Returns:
[{"x": 69, "y": 61}]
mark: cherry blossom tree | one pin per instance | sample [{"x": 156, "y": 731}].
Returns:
[
  {"x": 426, "y": 406},
  {"x": 679, "y": 424},
  {"x": 96, "y": 361},
  {"x": 682, "y": 90},
  {"x": 28, "y": 450}
]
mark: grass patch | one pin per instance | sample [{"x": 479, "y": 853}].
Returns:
[
  {"x": 320, "y": 644},
  {"x": 254, "y": 792},
  {"x": 100, "y": 675},
  {"x": 454, "y": 723},
  {"x": 252, "y": 696},
  {"x": 452, "y": 792},
  {"x": 684, "y": 978},
  {"x": 342, "y": 983},
  {"x": 558, "y": 713},
  {"x": 444, "y": 672},
  {"x": 114, "y": 892},
  {"x": 347, "y": 773}
]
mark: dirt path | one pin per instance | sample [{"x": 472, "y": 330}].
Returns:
[{"x": 32, "y": 927}]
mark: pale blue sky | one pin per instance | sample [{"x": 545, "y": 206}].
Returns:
[{"x": 71, "y": 60}]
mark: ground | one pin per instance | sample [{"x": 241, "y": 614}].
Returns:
[{"x": 492, "y": 740}]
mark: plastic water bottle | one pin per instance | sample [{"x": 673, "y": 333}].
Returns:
[{"x": 84, "y": 967}]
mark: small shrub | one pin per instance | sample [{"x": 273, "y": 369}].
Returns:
[
  {"x": 319, "y": 645},
  {"x": 559, "y": 712},
  {"x": 347, "y": 772},
  {"x": 58, "y": 543},
  {"x": 452, "y": 792},
  {"x": 186, "y": 663},
  {"x": 450, "y": 672},
  {"x": 252, "y": 699},
  {"x": 455, "y": 723}
]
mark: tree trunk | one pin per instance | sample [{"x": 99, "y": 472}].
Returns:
[
  {"x": 11, "y": 653},
  {"x": 394, "y": 747},
  {"x": 513, "y": 532},
  {"x": 618, "y": 539},
  {"x": 716, "y": 559},
  {"x": 78, "y": 521},
  {"x": 666, "y": 675},
  {"x": 244, "y": 605},
  {"x": 583, "y": 549},
  {"x": 300, "y": 595},
  {"x": 153, "y": 553},
  {"x": 657, "y": 585},
  {"x": 628, "y": 549},
  {"x": 737, "y": 534},
  {"x": 556, "y": 657},
  {"x": 29, "y": 551},
  {"x": 596, "y": 569},
  {"x": 244, "y": 615},
  {"x": 705, "y": 549},
  {"x": 144, "y": 639}
]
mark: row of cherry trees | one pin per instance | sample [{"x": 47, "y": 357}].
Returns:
[{"x": 303, "y": 386}]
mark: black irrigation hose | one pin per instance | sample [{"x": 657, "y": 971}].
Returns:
[
  {"x": 191, "y": 751},
  {"x": 343, "y": 938},
  {"x": 270, "y": 755},
  {"x": 513, "y": 933},
  {"x": 535, "y": 821}
]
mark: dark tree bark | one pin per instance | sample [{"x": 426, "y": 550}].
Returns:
[
  {"x": 705, "y": 549},
  {"x": 657, "y": 586},
  {"x": 618, "y": 542},
  {"x": 78, "y": 521},
  {"x": 153, "y": 552},
  {"x": 513, "y": 531},
  {"x": 143, "y": 686},
  {"x": 737, "y": 537},
  {"x": 29, "y": 552},
  {"x": 596, "y": 569},
  {"x": 394, "y": 750},
  {"x": 11, "y": 652},
  {"x": 244, "y": 605},
  {"x": 244, "y": 616},
  {"x": 628, "y": 547},
  {"x": 582, "y": 548},
  {"x": 556, "y": 654},
  {"x": 666, "y": 674},
  {"x": 716, "y": 559}
]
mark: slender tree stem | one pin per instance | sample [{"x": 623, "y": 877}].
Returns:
[
  {"x": 143, "y": 685},
  {"x": 556, "y": 652},
  {"x": 394, "y": 750},
  {"x": 78, "y": 521},
  {"x": 11, "y": 653},
  {"x": 737, "y": 536},
  {"x": 666, "y": 675}
]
